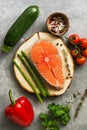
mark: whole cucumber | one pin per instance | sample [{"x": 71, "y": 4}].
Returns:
[{"x": 24, "y": 21}]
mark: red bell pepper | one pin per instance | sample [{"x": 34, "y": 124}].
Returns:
[{"x": 20, "y": 111}]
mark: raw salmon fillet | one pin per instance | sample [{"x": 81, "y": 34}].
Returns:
[{"x": 48, "y": 62}]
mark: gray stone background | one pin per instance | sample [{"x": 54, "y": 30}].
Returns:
[{"x": 77, "y": 13}]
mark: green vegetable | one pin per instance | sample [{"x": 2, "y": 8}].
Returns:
[
  {"x": 28, "y": 80},
  {"x": 24, "y": 21},
  {"x": 33, "y": 76},
  {"x": 57, "y": 114},
  {"x": 35, "y": 71}
]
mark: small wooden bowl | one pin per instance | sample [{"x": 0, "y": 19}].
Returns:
[{"x": 57, "y": 23}]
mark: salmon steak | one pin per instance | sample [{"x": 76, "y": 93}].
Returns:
[
  {"x": 51, "y": 58},
  {"x": 47, "y": 60}
]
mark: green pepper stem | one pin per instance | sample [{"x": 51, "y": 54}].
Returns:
[{"x": 11, "y": 97}]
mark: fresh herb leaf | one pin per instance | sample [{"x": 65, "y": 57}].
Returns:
[
  {"x": 52, "y": 128},
  {"x": 49, "y": 123},
  {"x": 57, "y": 114},
  {"x": 44, "y": 116}
]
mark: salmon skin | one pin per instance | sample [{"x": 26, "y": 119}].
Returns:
[{"x": 46, "y": 58}]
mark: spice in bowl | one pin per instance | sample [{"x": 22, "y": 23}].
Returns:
[{"x": 57, "y": 24}]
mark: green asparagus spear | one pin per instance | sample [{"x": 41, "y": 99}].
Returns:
[
  {"x": 33, "y": 76},
  {"x": 36, "y": 72},
  {"x": 28, "y": 80}
]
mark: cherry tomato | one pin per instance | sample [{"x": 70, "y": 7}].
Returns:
[
  {"x": 80, "y": 59},
  {"x": 84, "y": 52},
  {"x": 74, "y": 52},
  {"x": 74, "y": 38},
  {"x": 83, "y": 42}
]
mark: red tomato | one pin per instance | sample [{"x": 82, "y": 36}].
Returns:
[
  {"x": 83, "y": 42},
  {"x": 74, "y": 38},
  {"x": 80, "y": 60},
  {"x": 74, "y": 52},
  {"x": 84, "y": 52}
]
